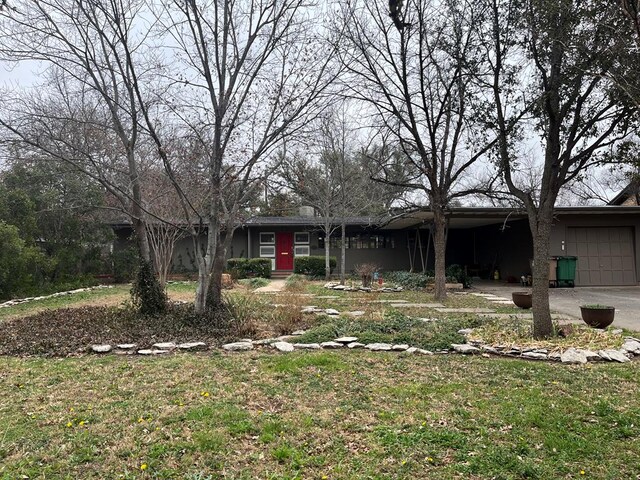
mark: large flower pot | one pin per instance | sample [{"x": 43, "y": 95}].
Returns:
[
  {"x": 597, "y": 316},
  {"x": 521, "y": 299}
]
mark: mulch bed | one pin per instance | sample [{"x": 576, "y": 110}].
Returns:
[{"x": 71, "y": 331}]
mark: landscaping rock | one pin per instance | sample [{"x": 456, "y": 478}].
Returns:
[
  {"x": 283, "y": 346},
  {"x": 465, "y": 348},
  {"x": 573, "y": 356},
  {"x": 297, "y": 333},
  {"x": 346, "y": 339},
  {"x": 307, "y": 346},
  {"x": 332, "y": 311},
  {"x": 400, "y": 347},
  {"x": 535, "y": 355},
  {"x": 101, "y": 348},
  {"x": 265, "y": 341},
  {"x": 331, "y": 345},
  {"x": 616, "y": 331},
  {"x": 311, "y": 309},
  {"x": 164, "y": 345},
  {"x": 356, "y": 313},
  {"x": 631, "y": 346},
  {"x": 355, "y": 345},
  {"x": 192, "y": 346},
  {"x": 152, "y": 352},
  {"x": 614, "y": 355},
  {"x": 378, "y": 347},
  {"x": 237, "y": 346},
  {"x": 490, "y": 349},
  {"x": 126, "y": 346},
  {"x": 422, "y": 351},
  {"x": 591, "y": 356},
  {"x": 465, "y": 331}
]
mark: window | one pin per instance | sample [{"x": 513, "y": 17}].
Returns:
[
  {"x": 267, "y": 251},
  {"x": 267, "y": 238},
  {"x": 360, "y": 241},
  {"x": 301, "y": 238},
  {"x": 301, "y": 250}
]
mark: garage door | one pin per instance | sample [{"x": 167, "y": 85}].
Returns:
[{"x": 605, "y": 255}]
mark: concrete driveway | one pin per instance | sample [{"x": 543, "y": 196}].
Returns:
[{"x": 568, "y": 300}]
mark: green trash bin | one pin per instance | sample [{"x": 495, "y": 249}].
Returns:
[{"x": 567, "y": 271}]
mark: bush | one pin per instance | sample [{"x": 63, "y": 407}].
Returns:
[
  {"x": 365, "y": 271},
  {"x": 249, "y": 267},
  {"x": 312, "y": 265},
  {"x": 459, "y": 275},
  {"x": 295, "y": 283},
  {"x": 418, "y": 281},
  {"x": 148, "y": 295},
  {"x": 254, "y": 283},
  {"x": 124, "y": 262}
]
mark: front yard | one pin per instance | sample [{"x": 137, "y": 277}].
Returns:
[{"x": 316, "y": 414}]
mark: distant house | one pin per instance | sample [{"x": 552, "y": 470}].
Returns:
[
  {"x": 606, "y": 240},
  {"x": 629, "y": 196}
]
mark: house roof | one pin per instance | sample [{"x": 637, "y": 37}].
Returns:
[
  {"x": 625, "y": 193},
  {"x": 303, "y": 220},
  {"x": 467, "y": 217}
]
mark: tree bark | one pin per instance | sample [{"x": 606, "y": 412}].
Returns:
[
  {"x": 327, "y": 254},
  {"x": 343, "y": 253},
  {"x": 439, "y": 247},
  {"x": 541, "y": 231}
]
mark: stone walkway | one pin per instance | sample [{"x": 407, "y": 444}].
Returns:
[{"x": 274, "y": 286}]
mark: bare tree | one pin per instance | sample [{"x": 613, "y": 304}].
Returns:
[
  {"x": 249, "y": 74},
  {"x": 415, "y": 80},
  {"x": 552, "y": 60}
]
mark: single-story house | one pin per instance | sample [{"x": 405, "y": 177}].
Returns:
[{"x": 605, "y": 239}]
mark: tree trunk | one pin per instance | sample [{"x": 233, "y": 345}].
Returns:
[
  {"x": 215, "y": 287},
  {"x": 439, "y": 247},
  {"x": 140, "y": 227},
  {"x": 343, "y": 253},
  {"x": 542, "y": 324},
  {"x": 327, "y": 253}
]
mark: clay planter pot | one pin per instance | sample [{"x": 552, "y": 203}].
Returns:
[
  {"x": 521, "y": 299},
  {"x": 597, "y": 316}
]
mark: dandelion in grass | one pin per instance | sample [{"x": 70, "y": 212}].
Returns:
[
  {"x": 144, "y": 466},
  {"x": 204, "y": 394},
  {"x": 582, "y": 472},
  {"x": 69, "y": 424}
]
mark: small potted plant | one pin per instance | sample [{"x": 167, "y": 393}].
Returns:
[
  {"x": 597, "y": 316},
  {"x": 522, "y": 299}
]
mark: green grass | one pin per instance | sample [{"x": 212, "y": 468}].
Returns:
[{"x": 313, "y": 415}]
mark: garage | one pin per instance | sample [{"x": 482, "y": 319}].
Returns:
[{"x": 605, "y": 255}]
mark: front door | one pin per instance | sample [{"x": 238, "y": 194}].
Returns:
[{"x": 284, "y": 250}]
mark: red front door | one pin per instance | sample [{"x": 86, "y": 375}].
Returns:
[{"x": 284, "y": 250}]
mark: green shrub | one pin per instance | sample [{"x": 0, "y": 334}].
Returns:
[
  {"x": 458, "y": 274},
  {"x": 125, "y": 261},
  {"x": 418, "y": 281},
  {"x": 148, "y": 295},
  {"x": 249, "y": 267},
  {"x": 312, "y": 265}
]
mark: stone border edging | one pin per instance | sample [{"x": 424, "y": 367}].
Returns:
[{"x": 19, "y": 301}]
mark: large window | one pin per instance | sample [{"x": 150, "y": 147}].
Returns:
[
  {"x": 301, "y": 244},
  {"x": 267, "y": 247},
  {"x": 361, "y": 241}
]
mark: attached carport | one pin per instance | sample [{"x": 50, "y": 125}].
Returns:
[{"x": 606, "y": 240}]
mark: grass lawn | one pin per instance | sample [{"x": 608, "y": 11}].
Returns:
[{"x": 315, "y": 415}]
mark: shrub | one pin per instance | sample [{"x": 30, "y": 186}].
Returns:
[
  {"x": 124, "y": 264},
  {"x": 295, "y": 283},
  {"x": 365, "y": 271},
  {"x": 409, "y": 280},
  {"x": 312, "y": 265},
  {"x": 459, "y": 275},
  {"x": 249, "y": 267},
  {"x": 254, "y": 283},
  {"x": 148, "y": 295}
]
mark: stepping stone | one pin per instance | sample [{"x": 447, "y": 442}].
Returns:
[
  {"x": 400, "y": 348},
  {"x": 426, "y": 320},
  {"x": 307, "y": 346},
  {"x": 311, "y": 309},
  {"x": 535, "y": 355},
  {"x": 346, "y": 339},
  {"x": 591, "y": 356},
  {"x": 419, "y": 351},
  {"x": 126, "y": 346},
  {"x": 631, "y": 346},
  {"x": 238, "y": 346},
  {"x": 331, "y": 345},
  {"x": 573, "y": 356},
  {"x": 417, "y": 305},
  {"x": 152, "y": 352},
  {"x": 101, "y": 348},
  {"x": 464, "y": 348},
  {"x": 389, "y": 301},
  {"x": 355, "y": 345},
  {"x": 283, "y": 346},
  {"x": 464, "y": 310},
  {"x": 332, "y": 311},
  {"x": 297, "y": 333},
  {"x": 378, "y": 347},
  {"x": 164, "y": 345},
  {"x": 356, "y": 313},
  {"x": 613, "y": 356},
  {"x": 192, "y": 345},
  {"x": 327, "y": 297},
  {"x": 503, "y": 302}
]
